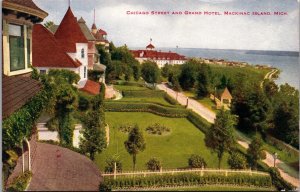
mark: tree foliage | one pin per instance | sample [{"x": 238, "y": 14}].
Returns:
[
  {"x": 220, "y": 137},
  {"x": 135, "y": 143},
  {"x": 150, "y": 72},
  {"x": 94, "y": 139},
  {"x": 255, "y": 151}
]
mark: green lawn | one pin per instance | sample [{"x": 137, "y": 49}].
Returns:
[
  {"x": 173, "y": 150},
  {"x": 129, "y": 87},
  {"x": 158, "y": 100},
  {"x": 207, "y": 102}
]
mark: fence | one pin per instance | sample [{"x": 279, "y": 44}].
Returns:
[{"x": 201, "y": 171}]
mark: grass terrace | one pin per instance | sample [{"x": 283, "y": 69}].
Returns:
[{"x": 173, "y": 149}]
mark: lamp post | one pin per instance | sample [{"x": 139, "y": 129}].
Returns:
[
  {"x": 275, "y": 156},
  {"x": 187, "y": 102},
  {"x": 176, "y": 95}
]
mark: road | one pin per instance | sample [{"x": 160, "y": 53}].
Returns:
[
  {"x": 269, "y": 75},
  {"x": 210, "y": 117}
]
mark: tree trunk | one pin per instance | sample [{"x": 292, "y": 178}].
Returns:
[
  {"x": 92, "y": 155},
  {"x": 220, "y": 159},
  {"x": 134, "y": 161}
]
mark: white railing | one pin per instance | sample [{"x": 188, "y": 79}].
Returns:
[{"x": 174, "y": 171}]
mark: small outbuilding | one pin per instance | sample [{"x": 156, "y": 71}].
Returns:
[{"x": 222, "y": 98}]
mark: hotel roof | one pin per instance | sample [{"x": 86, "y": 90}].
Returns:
[
  {"x": 85, "y": 30},
  {"x": 157, "y": 55}
]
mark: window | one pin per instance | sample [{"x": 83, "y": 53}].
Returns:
[
  {"x": 42, "y": 71},
  {"x": 16, "y": 47},
  {"x": 82, "y": 53},
  {"x": 84, "y": 72}
]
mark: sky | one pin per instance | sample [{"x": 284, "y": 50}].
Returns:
[{"x": 269, "y": 32}]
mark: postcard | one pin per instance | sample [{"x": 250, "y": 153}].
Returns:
[{"x": 141, "y": 95}]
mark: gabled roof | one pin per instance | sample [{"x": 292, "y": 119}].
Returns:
[
  {"x": 47, "y": 52},
  {"x": 224, "y": 93},
  {"x": 91, "y": 87},
  {"x": 102, "y": 32},
  {"x": 150, "y": 46},
  {"x": 85, "y": 30},
  {"x": 69, "y": 32},
  {"x": 16, "y": 91}
]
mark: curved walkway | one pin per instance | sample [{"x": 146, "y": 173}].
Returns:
[
  {"x": 269, "y": 75},
  {"x": 210, "y": 117},
  {"x": 56, "y": 168}
]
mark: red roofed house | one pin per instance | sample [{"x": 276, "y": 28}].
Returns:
[
  {"x": 66, "y": 49},
  {"x": 100, "y": 36},
  {"x": 159, "y": 57}
]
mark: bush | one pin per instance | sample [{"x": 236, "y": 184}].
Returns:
[
  {"x": 196, "y": 161},
  {"x": 153, "y": 164},
  {"x": 198, "y": 121},
  {"x": 83, "y": 103},
  {"x": 111, "y": 165},
  {"x": 237, "y": 160},
  {"x": 21, "y": 182},
  {"x": 52, "y": 124},
  {"x": 103, "y": 187},
  {"x": 157, "y": 129},
  {"x": 126, "y": 128}
]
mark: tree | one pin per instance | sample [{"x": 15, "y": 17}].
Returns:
[
  {"x": 237, "y": 160},
  {"x": 135, "y": 143},
  {"x": 165, "y": 70},
  {"x": 49, "y": 24},
  {"x": 153, "y": 164},
  {"x": 94, "y": 140},
  {"x": 220, "y": 137},
  {"x": 150, "y": 72},
  {"x": 255, "y": 151},
  {"x": 196, "y": 161}
]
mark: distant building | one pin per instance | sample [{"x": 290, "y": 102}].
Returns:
[
  {"x": 66, "y": 49},
  {"x": 222, "y": 98},
  {"x": 100, "y": 36},
  {"x": 159, "y": 57}
]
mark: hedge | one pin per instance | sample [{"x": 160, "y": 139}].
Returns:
[
  {"x": 198, "y": 121},
  {"x": 142, "y": 93},
  {"x": 188, "y": 179},
  {"x": 282, "y": 146},
  {"x": 170, "y": 99},
  {"x": 145, "y": 107}
]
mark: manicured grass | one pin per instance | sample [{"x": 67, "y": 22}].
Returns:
[
  {"x": 158, "y": 100},
  {"x": 219, "y": 188},
  {"x": 173, "y": 150},
  {"x": 208, "y": 103},
  {"x": 129, "y": 87}
]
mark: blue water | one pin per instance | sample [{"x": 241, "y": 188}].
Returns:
[{"x": 288, "y": 65}]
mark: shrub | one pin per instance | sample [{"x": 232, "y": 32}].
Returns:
[
  {"x": 104, "y": 187},
  {"x": 21, "y": 182},
  {"x": 52, "y": 124},
  {"x": 83, "y": 103},
  {"x": 198, "y": 121},
  {"x": 157, "y": 129},
  {"x": 153, "y": 164},
  {"x": 196, "y": 161},
  {"x": 126, "y": 128},
  {"x": 237, "y": 160},
  {"x": 111, "y": 165}
]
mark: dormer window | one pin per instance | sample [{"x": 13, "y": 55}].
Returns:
[{"x": 82, "y": 53}]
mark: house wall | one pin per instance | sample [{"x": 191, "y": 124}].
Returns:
[{"x": 84, "y": 60}]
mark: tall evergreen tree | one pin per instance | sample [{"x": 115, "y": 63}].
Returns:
[
  {"x": 255, "y": 151},
  {"x": 220, "y": 137}
]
